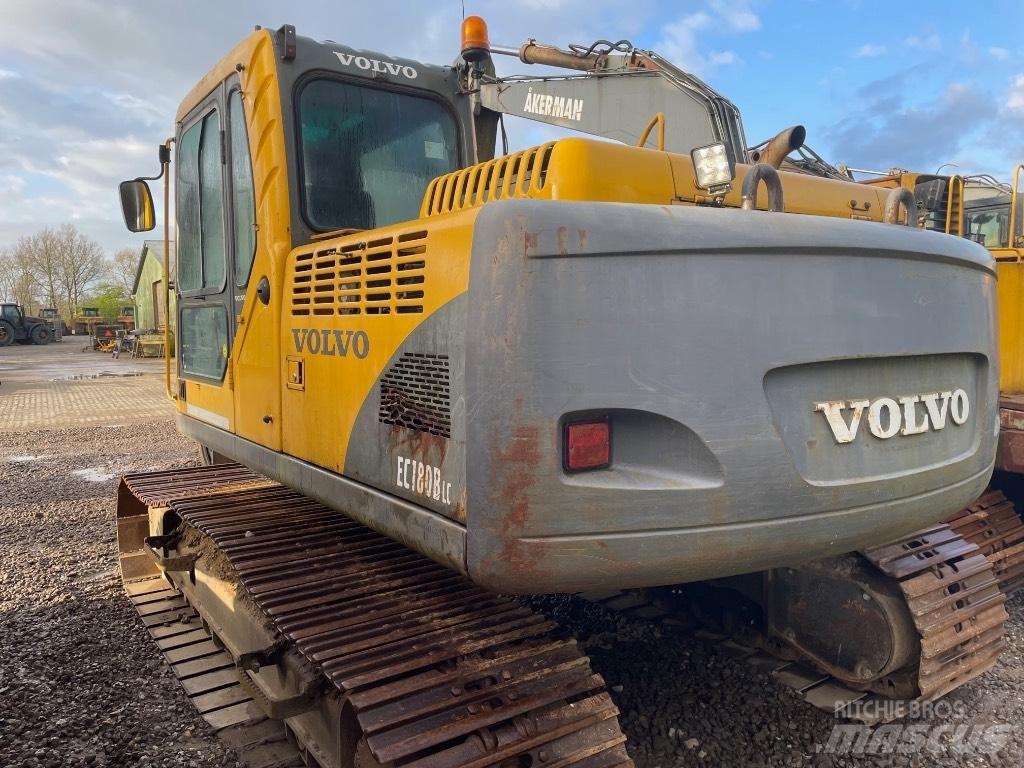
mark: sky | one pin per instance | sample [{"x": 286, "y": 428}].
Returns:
[{"x": 89, "y": 88}]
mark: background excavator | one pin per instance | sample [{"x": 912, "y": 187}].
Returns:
[
  {"x": 990, "y": 212},
  {"x": 425, "y": 376}
]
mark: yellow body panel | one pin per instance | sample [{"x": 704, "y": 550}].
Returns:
[
  {"x": 803, "y": 194},
  {"x": 318, "y": 417},
  {"x": 1009, "y": 292},
  {"x": 210, "y": 402},
  {"x": 582, "y": 169},
  {"x": 1011, "y": 320}
]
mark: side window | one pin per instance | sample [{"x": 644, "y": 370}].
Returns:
[
  {"x": 201, "y": 249},
  {"x": 242, "y": 199},
  {"x": 190, "y": 275},
  {"x": 204, "y": 341},
  {"x": 211, "y": 205}
]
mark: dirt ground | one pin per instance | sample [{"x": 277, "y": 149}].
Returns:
[{"x": 82, "y": 684}]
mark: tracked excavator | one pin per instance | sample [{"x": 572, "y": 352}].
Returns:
[
  {"x": 427, "y": 377},
  {"x": 987, "y": 211},
  {"x": 990, "y": 212}
]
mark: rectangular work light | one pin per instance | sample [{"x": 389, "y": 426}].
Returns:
[{"x": 713, "y": 167}]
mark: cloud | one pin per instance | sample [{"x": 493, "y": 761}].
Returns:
[
  {"x": 893, "y": 84},
  {"x": 999, "y": 53},
  {"x": 869, "y": 50},
  {"x": 886, "y": 132},
  {"x": 968, "y": 50},
  {"x": 11, "y": 184},
  {"x": 89, "y": 88},
  {"x": 928, "y": 42},
  {"x": 737, "y": 15},
  {"x": 1014, "y": 102},
  {"x": 682, "y": 40},
  {"x": 720, "y": 58},
  {"x": 679, "y": 41}
]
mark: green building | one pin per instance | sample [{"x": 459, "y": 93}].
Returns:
[{"x": 148, "y": 291}]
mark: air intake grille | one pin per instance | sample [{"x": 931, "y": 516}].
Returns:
[
  {"x": 414, "y": 393},
  {"x": 375, "y": 277},
  {"x": 521, "y": 174}
]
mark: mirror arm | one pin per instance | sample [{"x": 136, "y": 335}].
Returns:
[{"x": 164, "y": 160}]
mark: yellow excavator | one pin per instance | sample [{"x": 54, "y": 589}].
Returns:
[
  {"x": 426, "y": 375},
  {"x": 990, "y": 212}
]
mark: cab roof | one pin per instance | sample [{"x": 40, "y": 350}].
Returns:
[{"x": 306, "y": 54}]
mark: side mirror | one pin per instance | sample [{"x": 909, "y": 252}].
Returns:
[{"x": 137, "y": 205}]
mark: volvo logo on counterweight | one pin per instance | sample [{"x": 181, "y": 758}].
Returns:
[
  {"x": 331, "y": 342},
  {"x": 887, "y": 416}
]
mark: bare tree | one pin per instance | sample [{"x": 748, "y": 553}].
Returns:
[
  {"x": 122, "y": 269},
  {"x": 8, "y": 275},
  {"x": 16, "y": 283},
  {"x": 35, "y": 256},
  {"x": 80, "y": 263},
  {"x": 61, "y": 265}
]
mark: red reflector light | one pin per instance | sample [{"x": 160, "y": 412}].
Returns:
[{"x": 588, "y": 445}]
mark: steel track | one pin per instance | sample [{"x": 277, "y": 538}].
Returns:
[
  {"x": 994, "y": 524},
  {"x": 952, "y": 591},
  {"x": 437, "y": 671}
]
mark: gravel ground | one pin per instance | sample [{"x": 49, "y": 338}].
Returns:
[
  {"x": 81, "y": 683},
  {"x": 684, "y": 703},
  {"x": 80, "y": 680}
]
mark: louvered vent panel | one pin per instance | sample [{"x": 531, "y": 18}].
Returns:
[
  {"x": 373, "y": 277},
  {"x": 521, "y": 174},
  {"x": 414, "y": 393}
]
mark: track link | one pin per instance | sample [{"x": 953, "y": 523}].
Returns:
[
  {"x": 956, "y": 604},
  {"x": 994, "y": 524},
  {"x": 437, "y": 671}
]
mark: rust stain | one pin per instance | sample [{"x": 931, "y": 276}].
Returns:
[
  {"x": 562, "y": 234},
  {"x": 582, "y": 235},
  {"x": 517, "y": 459},
  {"x": 530, "y": 243},
  {"x": 1010, "y": 454}
]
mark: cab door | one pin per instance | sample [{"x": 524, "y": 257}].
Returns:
[{"x": 204, "y": 264}]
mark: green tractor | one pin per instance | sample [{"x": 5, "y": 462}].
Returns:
[{"x": 15, "y": 325}]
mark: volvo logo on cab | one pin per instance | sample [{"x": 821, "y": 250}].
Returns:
[
  {"x": 887, "y": 416},
  {"x": 376, "y": 65},
  {"x": 331, "y": 342}
]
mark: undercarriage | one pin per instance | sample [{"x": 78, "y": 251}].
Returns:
[{"x": 267, "y": 604}]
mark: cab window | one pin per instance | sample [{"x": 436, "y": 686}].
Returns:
[
  {"x": 204, "y": 341},
  {"x": 368, "y": 154},
  {"x": 201, "y": 244},
  {"x": 243, "y": 203}
]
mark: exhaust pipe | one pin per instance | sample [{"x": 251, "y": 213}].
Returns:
[{"x": 779, "y": 146}]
